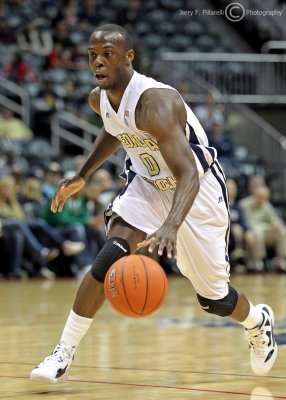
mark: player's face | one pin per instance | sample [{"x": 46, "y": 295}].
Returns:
[{"x": 108, "y": 59}]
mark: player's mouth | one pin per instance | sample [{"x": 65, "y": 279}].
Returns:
[{"x": 100, "y": 78}]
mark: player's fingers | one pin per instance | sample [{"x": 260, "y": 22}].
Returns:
[
  {"x": 170, "y": 250},
  {"x": 175, "y": 255},
  {"x": 61, "y": 204},
  {"x": 162, "y": 245},
  {"x": 55, "y": 203},
  {"x": 145, "y": 242},
  {"x": 153, "y": 244}
]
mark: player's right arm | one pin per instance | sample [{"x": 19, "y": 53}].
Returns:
[{"x": 105, "y": 145}]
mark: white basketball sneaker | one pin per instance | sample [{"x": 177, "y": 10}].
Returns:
[
  {"x": 55, "y": 367},
  {"x": 262, "y": 344}
]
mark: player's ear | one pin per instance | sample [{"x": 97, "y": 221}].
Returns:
[{"x": 129, "y": 57}]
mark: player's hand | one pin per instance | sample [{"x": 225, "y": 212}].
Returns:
[
  {"x": 165, "y": 237},
  {"x": 66, "y": 189}
]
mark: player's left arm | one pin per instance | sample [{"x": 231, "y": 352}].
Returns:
[{"x": 161, "y": 113}]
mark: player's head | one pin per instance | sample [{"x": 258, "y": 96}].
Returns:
[{"x": 110, "y": 55}]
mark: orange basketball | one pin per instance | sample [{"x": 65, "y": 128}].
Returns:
[{"x": 135, "y": 285}]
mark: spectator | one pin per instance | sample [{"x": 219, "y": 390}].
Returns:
[
  {"x": 38, "y": 231},
  {"x": 34, "y": 40},
  {"x": 62, "y": 34},
  {"x": 223, "y": 143},
  {"x": 45, "y": 105},
  {"x": 89, "y": 14},
  {"x": 18, "y": 239},
  {"x": 71, "y": 224},
  {"x": 254, "y": 182},
  {"x": 31, "y": 198},
  {"x": 13, "y": 128},
  {"x": 108, "y": 188},
  {"x": 78, "y": 58},
  {"x": 19, "y": 71},
  {"x": 269, "y": 229},
  {"x": 7, "y": 34},
  {"x": 241, "y": 238},
  {"x": 52, "y": 177},
  {"x": 95, "y": 228},
  {"x": 55, "y": 58},
  {"x": 209, "y": 113},
  {"x": 130, "y": 15}
]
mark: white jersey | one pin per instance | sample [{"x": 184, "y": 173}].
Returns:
[
  {"x": 143, "y": 154},
  {"x": 202, "y": 239}
]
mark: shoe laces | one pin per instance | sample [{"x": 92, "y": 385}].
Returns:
[
  {"x": 60, "y": 353},
  {"x": 258, "y": 342},
  {"x": 258, "y": 339}
]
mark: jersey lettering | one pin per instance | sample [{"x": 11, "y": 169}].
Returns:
[
  {"x": 131, "y": 141},
  {"x": 150, "y": 163},
  {"x": 165, "y": 183}
]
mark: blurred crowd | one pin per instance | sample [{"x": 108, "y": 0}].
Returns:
[
  {"x": 46, "y": 54},
  {"x": 36, "y": 242}
]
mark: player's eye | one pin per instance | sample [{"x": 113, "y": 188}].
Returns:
[
  {"x": 92, "y": 55},
  {"x": 108, "y": 53}
]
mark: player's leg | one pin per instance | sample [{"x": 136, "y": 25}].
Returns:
[
  {"x": 122, "y": 240},
  {"x": 203, "y": 258}
]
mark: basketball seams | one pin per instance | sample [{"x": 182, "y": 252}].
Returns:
[
  {"x": 147, "y": 284},
  {"x": 123, "y": 286},
  {"x": 117, "y": 308},
  {"x": 148, "y": 275},
  {"x": 114, "y": 305},
  {"x": 160, "y": 301}
]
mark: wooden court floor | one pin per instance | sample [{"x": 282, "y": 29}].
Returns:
[{"x": 178, "y": 353}]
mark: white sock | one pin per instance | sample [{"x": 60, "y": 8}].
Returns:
[
  {"x": 253, "y": 319},
  {"x": 75, "y": 329}
]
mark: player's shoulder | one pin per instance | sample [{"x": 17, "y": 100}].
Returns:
[
  {"x": 94, "y": 99},
  {"x": 159, "y": 101},
  {"x": 160, "y": 97}
]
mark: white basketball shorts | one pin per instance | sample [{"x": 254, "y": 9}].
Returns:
[{"x": 202, "y": 238}]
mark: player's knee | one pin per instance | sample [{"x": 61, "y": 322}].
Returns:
[
  {"x": 223, "y": 307},
  {"x": 113, "y": 249}
]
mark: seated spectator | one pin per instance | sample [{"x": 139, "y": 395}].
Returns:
[
  {"x": 7, "y": 34},
  {"x": 71, "y": 222},
  {"x": 209, "y": 113},
  {"x": 95, "y": 229},
  {"x": 129, "y": 15},
  {"x": 108, "y": 188},
  {"x": 12, "y": 128},
  {"x": 19, "y": 71},
  {"x": 53, "y": 175},
  {"x": 18, "y": 239},
  {"x": 38, "y": 232},
  {"x": 62, "y": 34},
  {"x": 55, "y": 58},
  {"x": 31, "y": 198},
  {"x": 223, "y": 143},
  {"x": 45, "y": 105},
  {"x": 267, "y": 226},
  {"x": 89, "y": 14},
  {"x": 241, "y": 238},
  {"x": 78, "y": 58},
  {"x": 34, "y": 40},
  {"x": 254, "y": 182}
]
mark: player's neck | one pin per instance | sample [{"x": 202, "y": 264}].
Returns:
[{"x": 115, "y": 95}]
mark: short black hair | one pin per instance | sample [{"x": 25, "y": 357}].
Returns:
[{"x": 117, "y": 29}]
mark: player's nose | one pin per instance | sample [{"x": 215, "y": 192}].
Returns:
[{"x": 98, "y": 62}]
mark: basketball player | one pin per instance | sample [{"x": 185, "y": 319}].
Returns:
[{"x": 175, "y": 198}]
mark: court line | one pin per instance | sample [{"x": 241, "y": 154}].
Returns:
[
  {"x": 251, "y": 376},
  {"x": 158, "y": 387}
]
